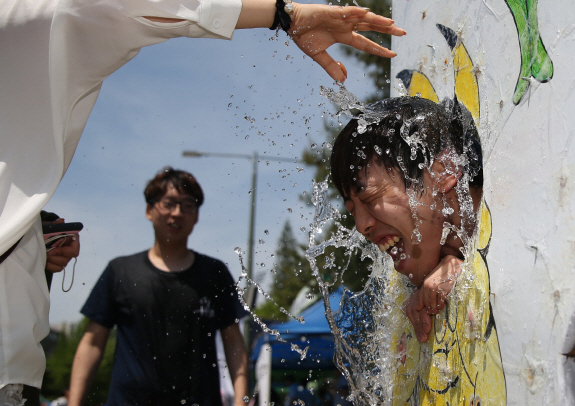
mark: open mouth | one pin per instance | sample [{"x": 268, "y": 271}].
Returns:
[
  {"x": 394, "y": 246},
  {"x": 174, "y": 226}
]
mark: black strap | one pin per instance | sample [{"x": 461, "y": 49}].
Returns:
[
  {"x": 7, "y": 253},
  {"x": 281, "y": 17}
]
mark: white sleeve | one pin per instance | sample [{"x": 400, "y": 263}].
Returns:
[
  {"x": 55, "y": 56},
  {"x": 89, "y": 40}
]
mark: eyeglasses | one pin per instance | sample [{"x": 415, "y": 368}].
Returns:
[{"x": 169, "y": 205}]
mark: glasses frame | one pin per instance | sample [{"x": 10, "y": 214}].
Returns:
[{"x": 158, "y": 204}]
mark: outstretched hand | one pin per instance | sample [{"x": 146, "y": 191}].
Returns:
[
  {"x": 430, "y": 298},
  {"x": 316, "y": 27}
]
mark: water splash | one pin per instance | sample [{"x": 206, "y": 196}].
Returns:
[
  {"x": 362, "y": 349},
  {"x": 242, "y": 291},
  {"x": 368, "y": 352}
]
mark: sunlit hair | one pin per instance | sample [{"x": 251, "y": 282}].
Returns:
[
  {"x": 182, "y": 181},
  {"x": 409, "y": 134}
]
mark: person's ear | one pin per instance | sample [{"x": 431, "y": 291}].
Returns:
[
  {"x": 448, "y": 181},
  {"x": 149, "y": 211}
]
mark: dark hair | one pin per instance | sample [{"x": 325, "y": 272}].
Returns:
[
  {"x": 406, "y": 134},
  {"x": 182, "y": 181}
]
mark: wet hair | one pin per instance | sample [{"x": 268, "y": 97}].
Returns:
[
  {"x": 183, "y": 182},
  {"x": 406, "y": 134}
]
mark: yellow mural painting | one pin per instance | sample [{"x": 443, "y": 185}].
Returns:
[{"x": 461, "y": 362}]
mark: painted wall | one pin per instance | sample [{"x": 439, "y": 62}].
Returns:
[{"x": 513, "y": 62}]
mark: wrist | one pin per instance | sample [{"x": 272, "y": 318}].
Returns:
[{"x": 256, "y": 14}]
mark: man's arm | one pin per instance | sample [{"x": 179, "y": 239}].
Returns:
[
  {"x": 429, "y": 299},
  {"x": 237, "y": 359},
  {"x": 87, "y": 361}
]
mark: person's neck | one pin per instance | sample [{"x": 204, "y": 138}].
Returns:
[{"x": 171, "y": 257}]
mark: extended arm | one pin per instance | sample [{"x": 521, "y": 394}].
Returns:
[
  {"x": 237, "y": 360},
  {"x": 316, "y": 27},
  {"x": 87, "y": 361}
]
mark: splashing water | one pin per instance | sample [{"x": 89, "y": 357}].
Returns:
[
  {"x": 362, "y": 349},
  {"x": 241, "y": 292},
  {"x": 369, "y": 352}
]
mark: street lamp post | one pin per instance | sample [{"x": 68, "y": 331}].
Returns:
[{"x": 254, "y": 158}]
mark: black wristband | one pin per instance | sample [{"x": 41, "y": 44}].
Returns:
[{"x": 282, "y": 17}]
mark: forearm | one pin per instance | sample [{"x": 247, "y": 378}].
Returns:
[
  {"x": 237, "y": 360},
  {"x": 86, "y": 363},
  {"x": 257, "y": 14}
]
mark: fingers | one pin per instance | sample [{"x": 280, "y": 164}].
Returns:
[
  {"x": 420, "y": 320},
  {"x": 368, "y": 21},
  {"x": 424, "y": 327},
  {"x": 56, "y": 263},
  {"x": 362, "y": 43},
  {"x": 57, "y": 258},
  {"x": 333, "y": 68}
]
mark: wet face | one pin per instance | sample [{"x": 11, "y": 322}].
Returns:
[
  {"x": 173, "y": 216},
  {"x": 383, "y": 215}
]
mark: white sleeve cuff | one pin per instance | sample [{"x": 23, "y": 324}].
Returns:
[
  {"x": 221, "y": 16},
  {"x": 206, "y": 18}
]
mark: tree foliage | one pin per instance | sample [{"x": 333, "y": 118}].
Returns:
[
  {"x": 59, "y": 365},
  {"x": 379, "y": 68},
  {"x": 292, "y": 271}
]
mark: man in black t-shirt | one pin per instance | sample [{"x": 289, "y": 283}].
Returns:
[{"x": 167, "y": 303}]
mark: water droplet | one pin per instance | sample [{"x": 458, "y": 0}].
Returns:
[
  {"x": 410, "y": 276},
  {"x": 183, "y": 401},
  {"x": 266, "y": 232},
  {"x": 309, "y": 296},
  {"x": 246, "y": 399},
  {"x": 415, "y": 237},
  {"x": 238, "y": 250},
  {"x": 261, "y": 241}
]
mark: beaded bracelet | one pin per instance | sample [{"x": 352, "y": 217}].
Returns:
[{"x": 284, "y": 10}]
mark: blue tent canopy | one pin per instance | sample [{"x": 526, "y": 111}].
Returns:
[{"x": 313, "y": 333}]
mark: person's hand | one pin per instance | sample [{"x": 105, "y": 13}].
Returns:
[
  {"x": 58, "y": 257},
  {"x": 438, "y": 283},
  {"x": 418, "y": 317},
  {"x": 316, "y": 27},
  {"x": 430, "y": 298}
]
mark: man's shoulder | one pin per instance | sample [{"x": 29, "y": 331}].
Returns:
[
  {"x": 206, "y": 260},
  {"x": 127, "y": 260}
]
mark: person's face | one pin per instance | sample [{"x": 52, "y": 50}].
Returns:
[
  {"x": 173, "y": 216},
  {"x": 383, "y": 215}
]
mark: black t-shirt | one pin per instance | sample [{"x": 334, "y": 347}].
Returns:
[{"x": 167, "y": 321}]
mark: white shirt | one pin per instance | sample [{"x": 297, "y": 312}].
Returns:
[{"x": 54, "y": 56}]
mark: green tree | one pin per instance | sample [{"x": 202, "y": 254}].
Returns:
[
  {"x": 291, "y": 273},
  {"x": 292, "y": 270},
  {"x": 379, "y": 68},
  {"x": 59, "y": 365}
]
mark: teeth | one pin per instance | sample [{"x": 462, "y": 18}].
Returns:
[{"x": 390, "y": 243}]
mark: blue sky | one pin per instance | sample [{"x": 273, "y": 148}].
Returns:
[{"x": 249, "y": 94}]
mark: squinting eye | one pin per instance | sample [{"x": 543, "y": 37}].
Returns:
[{"x": 188, "y": 206}]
